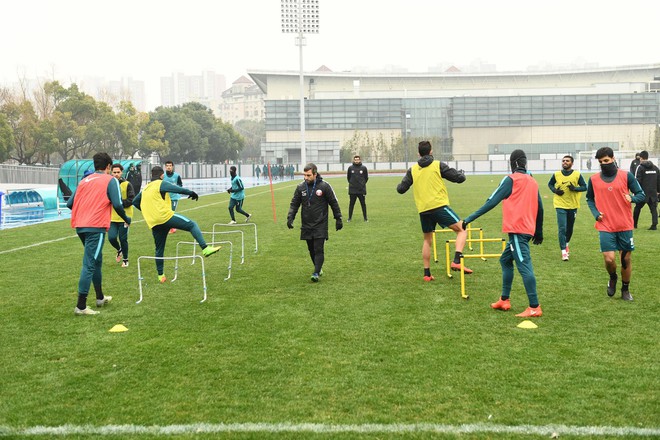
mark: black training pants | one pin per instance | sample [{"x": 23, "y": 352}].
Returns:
[{"x": 316, "y": 252}]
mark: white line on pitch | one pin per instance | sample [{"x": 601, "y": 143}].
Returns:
[{"x": 396, "y": 428}]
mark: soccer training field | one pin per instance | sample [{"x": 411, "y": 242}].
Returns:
[{"x": 370, "y": 352}]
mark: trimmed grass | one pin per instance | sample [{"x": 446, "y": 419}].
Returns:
[{"x": 370, "y": 343}]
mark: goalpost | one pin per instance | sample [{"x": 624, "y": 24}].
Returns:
[{"x": 623, "y": 159}]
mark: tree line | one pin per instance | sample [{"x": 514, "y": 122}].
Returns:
[
  {"x": 53, "y": 124},
  {"x": 394, "y": 149}
]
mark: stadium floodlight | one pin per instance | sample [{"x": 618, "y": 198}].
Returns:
[{"x": 301, "y": 17}]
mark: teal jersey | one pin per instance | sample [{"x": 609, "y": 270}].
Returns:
[
  {"x": 174, "y": 179},
  {"x": 237, "y": 188}
]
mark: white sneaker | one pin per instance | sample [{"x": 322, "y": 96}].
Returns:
[
  {"x": 233, "y": 222},
  {"x": 101, "y": 302},
  {"x": 247, "y": 219},
  {"x": 124, "y": 264},
  {"x": 564, "y": 255},
  {"x": 85, "y": 311}
]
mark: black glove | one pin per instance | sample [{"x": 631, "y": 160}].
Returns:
[
  {"x": 339, "y": 224},
  {"x": 193, "y": 196},
  {"x": 464, "y": 225},
  {"x": 559, "y": 192},
  {"x": 571, "y": 186},
  {"x": 289, "y": 224},
  {"x": 537, "y": 239},
  {"x": 229, "y": 190}
]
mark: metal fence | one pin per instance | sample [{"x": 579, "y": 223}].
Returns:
[
  {"x": 28, "y": 174},
  {"x": 21, "y": 174}
]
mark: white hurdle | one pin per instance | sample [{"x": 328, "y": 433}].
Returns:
[
  {"x": 214, "y": 232},
  {"x": 256, "y": 241},
  {"x": 194, "y": 243},
  {"x": 140, "y": 278}
]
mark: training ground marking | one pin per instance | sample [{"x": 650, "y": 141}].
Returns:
[
  {"x": 316, "y": 428},
  {"x": 36, "y": 244}
]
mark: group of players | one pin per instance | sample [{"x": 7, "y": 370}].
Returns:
[
  {"x": 102, "y": 199},
  {"x": 608, "y": 195}
]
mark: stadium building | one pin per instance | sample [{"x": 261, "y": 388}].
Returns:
[{"x": 474, "y": 115}]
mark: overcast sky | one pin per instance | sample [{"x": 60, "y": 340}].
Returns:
[{"x": 147, "y": 39}]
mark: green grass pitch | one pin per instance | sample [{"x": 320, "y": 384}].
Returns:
[{"x": 371, "y": 343}]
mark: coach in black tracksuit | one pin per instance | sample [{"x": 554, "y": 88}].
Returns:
[
  {"x": 357, "y": 176},
  {"x": 315, "y": 195},
  {"x": 647, "y": 176}
]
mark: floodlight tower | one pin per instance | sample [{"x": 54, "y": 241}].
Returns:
[{"x": 301, "y": 17}]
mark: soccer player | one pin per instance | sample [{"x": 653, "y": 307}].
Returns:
[
  {"x": 117, "y": 225},
  {"x": 314, "y": 195},
  {"x": 237, "y": 196},
  {"x": 91, "y": 208},
  {"x": 522, "y": 220},
  {"x": 609, "y": 199},
  {"x": 156, "y": 205},
  {"x": 566, "y": 184},
  {"x": 635, "y": 163},
  {"x": 357, "y": 176},
  {"x": 175, "y": 179},
  {"x": 648, "y": 176},
  {"x": 432, "y": 201}
]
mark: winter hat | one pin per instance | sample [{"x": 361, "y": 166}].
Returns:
[{"x": 518, "y": 159}]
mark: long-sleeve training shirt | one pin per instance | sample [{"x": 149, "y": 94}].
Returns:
[{"x": 502, "y": 192}]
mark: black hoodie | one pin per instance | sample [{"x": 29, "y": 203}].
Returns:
[
  {"x": 357, "y": 176},
  {"x": 647, "y": 176}
]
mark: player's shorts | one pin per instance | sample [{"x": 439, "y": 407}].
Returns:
[
  {"x": 616, "y": 241},
  {"x": 235, "y": 202},
  {"x": 443, "y": 216}
]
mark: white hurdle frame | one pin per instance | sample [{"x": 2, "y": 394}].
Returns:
[
  {"x": 140, "y": 278},
  {"x": 256, "y": 241},
  {"x": 230, "y": 232},
  {"x": 231, "y": 253}
]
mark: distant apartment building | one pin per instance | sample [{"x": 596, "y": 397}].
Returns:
[
  {"x": 243, "y": 100},
  {"x": 127, "y": 89},
  {"x": 206, "y": 89},
  {"x": 113, "y": 92}
]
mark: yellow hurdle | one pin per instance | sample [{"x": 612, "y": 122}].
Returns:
[
  {"x": 463, "y": 294},
  {"x": 479, "y": 255},
  {"x": 469, "y": 231}
]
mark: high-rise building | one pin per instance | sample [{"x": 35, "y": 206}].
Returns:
[
  {"x": 206, "y": 89},
  {"x": 115, "y": 91},
  {"x": 128, "y": 89},
  {"x": 99, "y": 88}
]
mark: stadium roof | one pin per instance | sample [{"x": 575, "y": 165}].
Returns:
[{"x": 613, "y": 74}]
